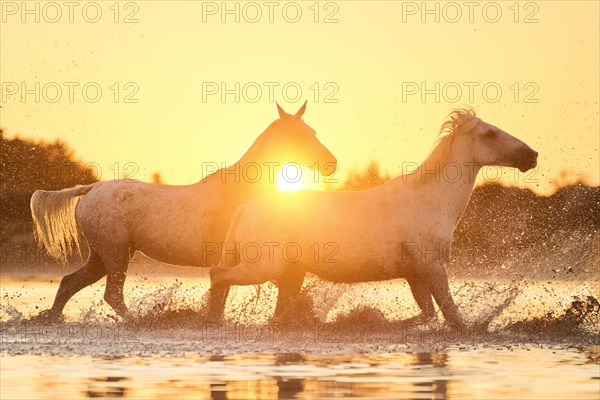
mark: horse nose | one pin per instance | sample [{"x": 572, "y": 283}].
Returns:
[
  {"x": 535, "y": 154},
  {"x": 528, "y": 152}
]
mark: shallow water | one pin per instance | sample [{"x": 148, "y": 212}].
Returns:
[
  {"x": 524, "y": 372},
  {"x": 350, "y": 346}
]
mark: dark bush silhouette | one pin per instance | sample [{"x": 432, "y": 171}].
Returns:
[
  {"x": 26, "y": 166},
  {"x": 370, "y": 177},
  {"x": 157, "y": 178},
  {"x": 507, "y": 226}
]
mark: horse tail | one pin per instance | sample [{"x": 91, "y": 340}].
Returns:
[{"x": 54, "y": 223}]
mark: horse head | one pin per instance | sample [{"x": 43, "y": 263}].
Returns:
[
  {"x": 290, "y": 140},
  {"x": 487, "y": 144}
]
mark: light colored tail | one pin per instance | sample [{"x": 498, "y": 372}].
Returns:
[{"x": 54, "y": 223}]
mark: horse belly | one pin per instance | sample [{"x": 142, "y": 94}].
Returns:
[
  {"x": 193, "y": 241},
  {"x": 358, "y": 273},
  {"x": 168, "y": 249},
  {"x": 169, "y": 226},
  {"x": 352, "y": 264}
]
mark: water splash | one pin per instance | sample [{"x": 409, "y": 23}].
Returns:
[
  {"x": 504, "y": 311},
  {"x": 95, "y": 314},
  {"x": 581, "y": 316},
  {"x": 155, "y": 302},
  {"x": 486, "y": 301},
  {"x": 15, "y": 316}
]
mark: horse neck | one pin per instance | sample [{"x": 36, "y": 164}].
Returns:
[
  {"x": 239, "y": 182},
  {"x": 449, "y": 182}
]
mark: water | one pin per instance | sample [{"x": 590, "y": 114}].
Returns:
[
  {"x": 534, "y": 339},
  {"x": 524, "y": 372}
]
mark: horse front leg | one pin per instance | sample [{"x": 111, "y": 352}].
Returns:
[
  {"x": 437, "y": 280},
  {"x": 422, "y": 295},
  {"x": 218, "y": 291},
  {"x": 217, "y": 298}
]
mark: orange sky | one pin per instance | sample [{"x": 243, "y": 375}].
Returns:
[{"x": 367, "y": 61}]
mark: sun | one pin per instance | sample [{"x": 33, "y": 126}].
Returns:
[
  {"x": 294, "y": 177},
  {"x": 290, "y": 178}
]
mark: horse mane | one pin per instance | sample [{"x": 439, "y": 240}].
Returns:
[
  {"x": 458, "y": 120},
  {"x": 251, "y": 150}
]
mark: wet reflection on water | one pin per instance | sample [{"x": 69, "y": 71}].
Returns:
[
  {"x": 170, "y": 355},
  {"x": 524, "y": 372},
  {"x": 111, "y": 386}
]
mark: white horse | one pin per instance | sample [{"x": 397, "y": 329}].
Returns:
[
  {"x": 401, "y": 229},
  {"x": 166, "y": 223}
]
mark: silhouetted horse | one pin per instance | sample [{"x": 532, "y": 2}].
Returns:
[
  {"x": 401, "y": 229},
  {"x": 181, "y": 225}
]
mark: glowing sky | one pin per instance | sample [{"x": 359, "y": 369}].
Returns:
[{"x": 543, "y": 56}]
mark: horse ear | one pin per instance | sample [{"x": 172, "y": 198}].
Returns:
[
  {"x": 280, "y": 111},
  {"x": 300, "y": 112}
]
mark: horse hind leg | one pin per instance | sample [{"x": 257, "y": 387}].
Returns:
[
  {"x": 88, "y": 274},
  {"x": 116, "y": 263},
  {"x": 222, "y": 277}
]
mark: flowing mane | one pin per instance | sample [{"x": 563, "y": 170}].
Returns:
[{"x": 458, "y": 120}]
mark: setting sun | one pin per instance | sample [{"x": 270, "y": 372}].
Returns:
[
  {"x": 300, "y": 199},
  {"x": 294, "y": 177}
]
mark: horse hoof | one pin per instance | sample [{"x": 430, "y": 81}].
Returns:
[
  {"x": 419, "y": 320},
  {"x": 47, "y": 317},
  {"x": 459, "y": 327},
  {"x": 125, "y": 317},
  {"x": 214, "y": 318}
]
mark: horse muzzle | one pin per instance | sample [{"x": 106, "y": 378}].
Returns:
[
  {"x": 328, "y": 168},
  {"x": 528, "y": 160}
]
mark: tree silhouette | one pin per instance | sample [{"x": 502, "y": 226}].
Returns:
[
  {"x": 369, "y": 178},
  {"x": 156, "y": 178},
  {"x": 26, "y": 166}
]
